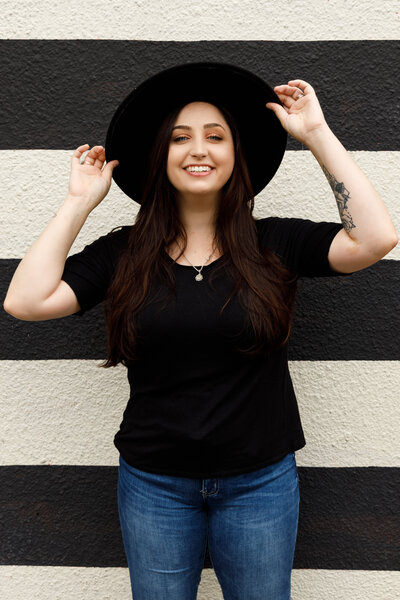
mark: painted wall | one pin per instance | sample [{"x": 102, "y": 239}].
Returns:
[{"x": 63, "y": 73}]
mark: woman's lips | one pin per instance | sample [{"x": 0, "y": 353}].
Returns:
[{"x": 198, "y": 173}]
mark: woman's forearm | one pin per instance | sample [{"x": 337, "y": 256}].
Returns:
[
  {"x": 38, "y": 276},
  {"x": 362, "y": 211},
  {"x": 39, "y": 272}
]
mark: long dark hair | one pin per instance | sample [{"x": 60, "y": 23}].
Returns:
[{"x": 264, "y": 287}]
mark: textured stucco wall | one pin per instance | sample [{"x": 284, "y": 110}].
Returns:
[
  {"x": 61, "y": 410},
  {"x": 184, "y": 20}
]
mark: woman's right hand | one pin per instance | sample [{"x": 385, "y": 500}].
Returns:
[{"x": 90, "y": 180}]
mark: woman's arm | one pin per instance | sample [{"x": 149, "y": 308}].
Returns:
[
  {"x": 368, "y": 233},
  {"x": 36, "y": 291}
]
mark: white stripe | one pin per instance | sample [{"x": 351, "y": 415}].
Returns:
[
  {"x": 318, "y": 584},
  {"x": 67, "y": 412},
  {"x": 60, "y": 412},
  {"x": 77, "y": 583},
  {"x": 62, "y": 583},
  {"x": 35, "y": 182},
  {"x": 350, "y": 412},
  {"x": 185, "y": 20}
]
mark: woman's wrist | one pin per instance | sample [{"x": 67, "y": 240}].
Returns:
[
  {"x": 75, "y": 208},
  {"x": 318, "y": 137}
]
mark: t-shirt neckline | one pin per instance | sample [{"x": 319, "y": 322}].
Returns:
[{"x": 190, "y": 266}]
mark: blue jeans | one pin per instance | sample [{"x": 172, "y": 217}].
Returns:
[{"x": 250, "y": 522}]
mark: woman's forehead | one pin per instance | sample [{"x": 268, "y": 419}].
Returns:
[{"x": 198, "y": 109}]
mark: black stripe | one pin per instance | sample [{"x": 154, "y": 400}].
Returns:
[
  {"x": 336, "y": 318},
  {"x": 67, "y": 516},
  {"x": 61, "y": 93}
]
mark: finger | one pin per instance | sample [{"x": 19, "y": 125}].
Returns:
[
  {"x": 303, "y": 85},
  {"x": 78, "y": 152},
  {"x": 286, "y": 100},
  {"x": 289, "y": 94},
  {"x": 289, "y": 90},
  {"x": 100, "y": 158},
  {"x": 109, "y": 168},
  {"x": 92, "y": 155},
  {"x": 280, "y": 111}
]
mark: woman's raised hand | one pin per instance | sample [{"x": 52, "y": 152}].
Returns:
[
  {"x": 301, "y": 114},
  {"x": 90, "y": 180}
]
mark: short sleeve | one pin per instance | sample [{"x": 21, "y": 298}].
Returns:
[
  {"x": 302, "y": 244},
  {"x": 89, "y": 272}
]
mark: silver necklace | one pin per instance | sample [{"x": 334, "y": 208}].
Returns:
[{"x": 199, "y": 276}]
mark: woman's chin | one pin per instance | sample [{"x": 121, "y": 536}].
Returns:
[{"x": 191, "y": 195}]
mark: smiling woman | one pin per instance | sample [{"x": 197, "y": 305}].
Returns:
[
  {"x": 201, "y": 208},
  {"x": 200, "y": 154},
  {"x": 199, "y": 299}
]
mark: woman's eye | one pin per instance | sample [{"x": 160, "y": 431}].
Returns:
[{"x": 184, "y": 137}]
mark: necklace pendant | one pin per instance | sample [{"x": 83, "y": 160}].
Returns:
[{"x": 199, "y": 277}]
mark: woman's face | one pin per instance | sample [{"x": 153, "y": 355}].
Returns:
[{"x": 200, "y": 137}]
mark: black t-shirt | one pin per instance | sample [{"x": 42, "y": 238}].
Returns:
[{"x": 198, "y": 407}]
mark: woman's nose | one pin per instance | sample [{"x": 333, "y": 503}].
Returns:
[{"x": 198, "y": 148}]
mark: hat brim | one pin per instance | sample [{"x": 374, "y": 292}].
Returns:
[{"x": 134, "y": 125}]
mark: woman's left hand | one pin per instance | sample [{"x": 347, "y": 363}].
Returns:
[{"x": 301, "y": 114}]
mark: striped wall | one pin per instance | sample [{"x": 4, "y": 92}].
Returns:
[{"x": 63, "y": 72}]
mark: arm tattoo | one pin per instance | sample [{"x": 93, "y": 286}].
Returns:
[{"x": 342, "y": 196}]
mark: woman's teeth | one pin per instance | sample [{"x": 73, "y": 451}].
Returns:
[{"x": 197, "y": 169}]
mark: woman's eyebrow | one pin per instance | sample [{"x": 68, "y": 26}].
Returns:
[{"x": 206, "y": 126}]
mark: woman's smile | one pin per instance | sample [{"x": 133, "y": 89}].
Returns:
[{"x": 201, "y": 172}]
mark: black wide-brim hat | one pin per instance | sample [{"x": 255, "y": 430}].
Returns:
[{"x": 133, "y": 127}]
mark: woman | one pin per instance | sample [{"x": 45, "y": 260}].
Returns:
[{"x": 198, "y": 302}]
